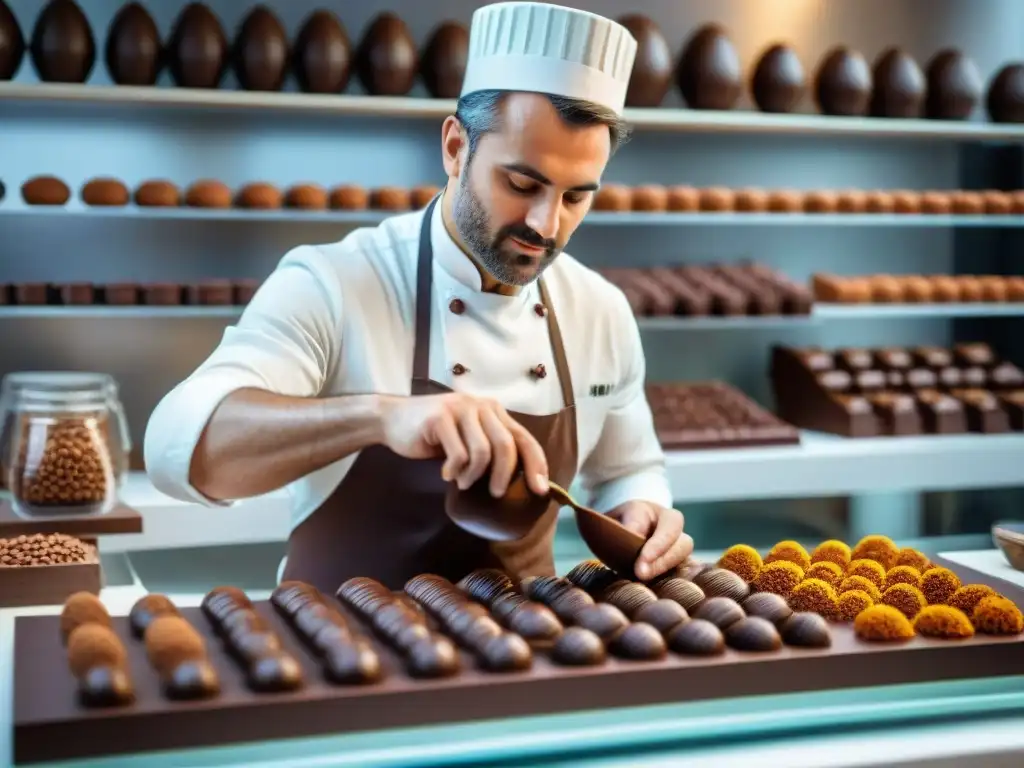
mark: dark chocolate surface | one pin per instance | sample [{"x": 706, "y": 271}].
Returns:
[{"x": 50, "y": 723}]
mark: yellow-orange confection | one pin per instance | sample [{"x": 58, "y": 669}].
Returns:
[
  {"x": 832, "y": 551},
  {"x": 170, "y": 640},
  {"x": 869, "y": 569},
  {"x": 779, "y": 577},
  {"x": 939, "y": 584},
  {"x": 997, "y": 616},
  {"x": 82, "y": 608},
  {"x": 905, "y": 598},
  {"x": 814, "y": 596},
  {"x": 881, "y": 549},
  {"x": 852, "y": 603},
  {"x": 968, "y": 596},
  {"x": 91, "y": 645},
  {"x": 903, "y": 574},
  {"x": 742, "y": 560},
  {"x": 789, "y": 551},
  {"x": 826, "y": 571},
  {"x": 864, "y": 585},
  {"x": 882, "y": 623},
  {"x": 913, "y": 558},
  {"x": 943, "y": 621}
]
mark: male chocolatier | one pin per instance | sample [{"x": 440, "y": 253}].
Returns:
[{"x": 445, "y": 345}]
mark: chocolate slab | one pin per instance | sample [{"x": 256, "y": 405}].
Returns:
[
  {"x": 120, "y": 519},
  {"x": 49, "y": 724}
]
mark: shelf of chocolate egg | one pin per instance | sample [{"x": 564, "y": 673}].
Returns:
[
  {"x": 490, "y": 647},
  {"x": 388, "y": 62}
]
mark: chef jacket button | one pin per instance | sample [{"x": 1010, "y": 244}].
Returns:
[
  {"x": 539, "y": 371},
  {"x": 539, "y": 310},
  {"x": 458, "y": 369},
  {"x": 457, "y": 306}
]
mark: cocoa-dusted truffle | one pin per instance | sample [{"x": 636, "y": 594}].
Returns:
[
  {"x": 717, "y": 199},
  {"x": 879, "y": 201},
  {"x": 443, "y": 60},
  {"x": 157, "y": 194},
  {"x": 790, "y": 551},
  {"x": 903, "y": 574},
  {"x": 899, "y": 85},
  {"x": 914, "y": 558},
  {"x": 104, "y": 192},
  {"x": 778, "y": 82},
  {"x": 613, "y": 197},
  {"x": 697, "y": 637},
  {"x": 578, "y": 647},
  {"x": 832, "y": 551},
  {"x": 82, "y": 608},
  {"x": 966, "y": 598},
  {"x": 751, "y": 200},
  {"x": 851, "y": 603},
  {"x": 852, "y": 201},
  {"x": 684, "y": 592},
  {"x": 709, "y": 73},
  {"x": 603, "y": 619},
  {"x": 720, "y": 611},
  {"x": 171, "y": 640},
  {"x": 938, "y": 203},
  {"x": 386, "y": 60},
  {"x": 869, "y": 569},
  {"x": 146, "y": 609},
  {"x": 881, "y": 549},
  {"x": 954, "y": 86},
  {"x": 718, "y": 582},
  {"x": 683, "y": 199},
  {"x": 905, "y": 598},
  {"x": 743, "y": 560},
  {"x": 814, "y": 596},
  {"x": 768, "y": 606},
  {"x": 259, "y": 195},
  {"x": 652, "y": 70},
  {"x": 883, "y": 623},
  {"x": 208, "y": 193},
  {"x": 806, "y": 630},
  {"x": 349, "y": 197},
  {"x": 996, "y": 615},
  {"x": 390, "y": 199},
  {"x": 651, "y": 198},
  {"x": 843, "y": 83},
  {"x": 93, "y": 645},
  {"x": 753, "y": 634},
  {"x": 420, "y": 197},
  {"x": 306, "y": 196},
  {"x": 638, "y": 641},
  {"x": 662, "y": 614},
  {"x": 779, "y": 577},
  {"x": 821, "y": 201},
  {"x": 1004, "y": 99},
  {"x": 939, "y": 584},
  {"x": 944, "y": 622},
  {"x": 45, "y": 190},
  {"x": 862, "y": 584},
  {"x": 825, "y": 571}
]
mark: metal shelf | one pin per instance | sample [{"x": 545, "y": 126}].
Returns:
[
  {"x": 597, "y": 218},
  {"x": 910, "y": 311},
  {"x": 821, "y": 466},
  {"x": 657, "y": 119}
]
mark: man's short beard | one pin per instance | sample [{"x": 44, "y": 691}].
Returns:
[{"x": 473, "y": 225}]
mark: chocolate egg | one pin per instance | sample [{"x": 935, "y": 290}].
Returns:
[
  {"x": 843, "y": 83},
  {"x": 12, "y": 43},
  {"x": 260, "y": 52},
  {"x": 718, "y": 582},
  {"x": 433, "y": 657},
  {"x": 697, "y": 637},
  {"x": 536, "y": 622},
  {"x": 808, "y": 630},
  {"x": 322, "y": 54},
  {"x": 592, "y": 576},
  {"x": 486, "y": 584},
  {"x": 386, "y": 60},
  {"x": 709, "y": 74},
  {"x": 578, "y": 647},
  {"x": 506, "y": 653},
  {"x": 629, "y": 597},
  {"x": 443, "y": 62},
  {"x": 331, "y": 636},
  {"x": 639, "y": 642},
  {"x": 720, "y": 611},
  {"x": 134, "y": 53},
  {"x": 778, "y": 82},
  {"x": 352, "y": 664},
  {"x": 569, "y": 603},
  {"x": 652, "y": 68},
  {"x": 197, "y": 51},
  {"x": 507, "y": 604},
  {"x": 954, "y": 86},
  {"x": 63, "y": 48},
  {"x": 1004, "y": 101},
  {"x": 767, "y": 605},
  {"x": 274, "y": 673},
  {"x": 147, "y": 608},
  {"x": 684, "y": 592},
  {"x": 899, "y": 86},
  {"x": 192, "y": 680},
  {"x": 104, "y": 686},
  {"x": 753, "y": 634},
  {"x": 662, "y": 614},
  {"x": 603, "y": 619}
]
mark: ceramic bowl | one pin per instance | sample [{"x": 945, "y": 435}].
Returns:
[{"x": 1008, "y": 535}]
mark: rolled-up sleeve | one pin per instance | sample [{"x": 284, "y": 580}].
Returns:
[
  {"x": 627, "y": 463},
  {"x": 285, "y": 342}
]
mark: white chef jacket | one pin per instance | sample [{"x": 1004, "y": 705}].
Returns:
[{"x": 337, "y": 319}]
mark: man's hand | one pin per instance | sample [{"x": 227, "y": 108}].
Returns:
[
  {"x": 472, "y": 434},
  {"x": 667, "y": 546}
]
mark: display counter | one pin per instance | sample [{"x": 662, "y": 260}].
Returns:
[{"x": 938, "y": 723}]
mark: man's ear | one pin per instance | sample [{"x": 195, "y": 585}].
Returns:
[{"x": 453, "y": 146}]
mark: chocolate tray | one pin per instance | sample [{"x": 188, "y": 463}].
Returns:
[{"x": 50, "y": 725}]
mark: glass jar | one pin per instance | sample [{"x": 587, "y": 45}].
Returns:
[{"x": 78, "y": 389}]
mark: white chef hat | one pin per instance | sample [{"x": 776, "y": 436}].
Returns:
[{"x": 542, "y": 48}]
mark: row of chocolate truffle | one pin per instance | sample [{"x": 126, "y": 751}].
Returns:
[
  {"x": 914, "y": 289},
  {"x": 209, "y": 193},
  {"x": 841, "y": 584}
]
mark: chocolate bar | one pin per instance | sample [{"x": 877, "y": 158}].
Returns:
[
  {"x": 725, "y": 299},
  {"x": 892, "y": 359},
  {"x": 1006, "y": 376},
  {"x": 932, "y": 357},
  {"x": 984, "y": 412},
  {"x": 974, "y": 354},
  {"x": 691, "y": 300},
  {"x": 941, "y": 414},
  {"x": 1013, "y": 404},
  {"x": 763, "y": 299},
  {"x": 897, "y": 413},
  {"x": 854, "y": 359}
]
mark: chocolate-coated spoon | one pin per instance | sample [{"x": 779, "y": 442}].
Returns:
[{"x": 611, "y": 542}]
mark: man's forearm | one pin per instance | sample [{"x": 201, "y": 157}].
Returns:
[{"x": 256, "y": 441}]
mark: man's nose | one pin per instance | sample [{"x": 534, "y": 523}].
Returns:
[{"x": 543, "y": 219}]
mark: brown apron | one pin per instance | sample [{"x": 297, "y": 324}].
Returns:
[{"x": 387, "y": 519}]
